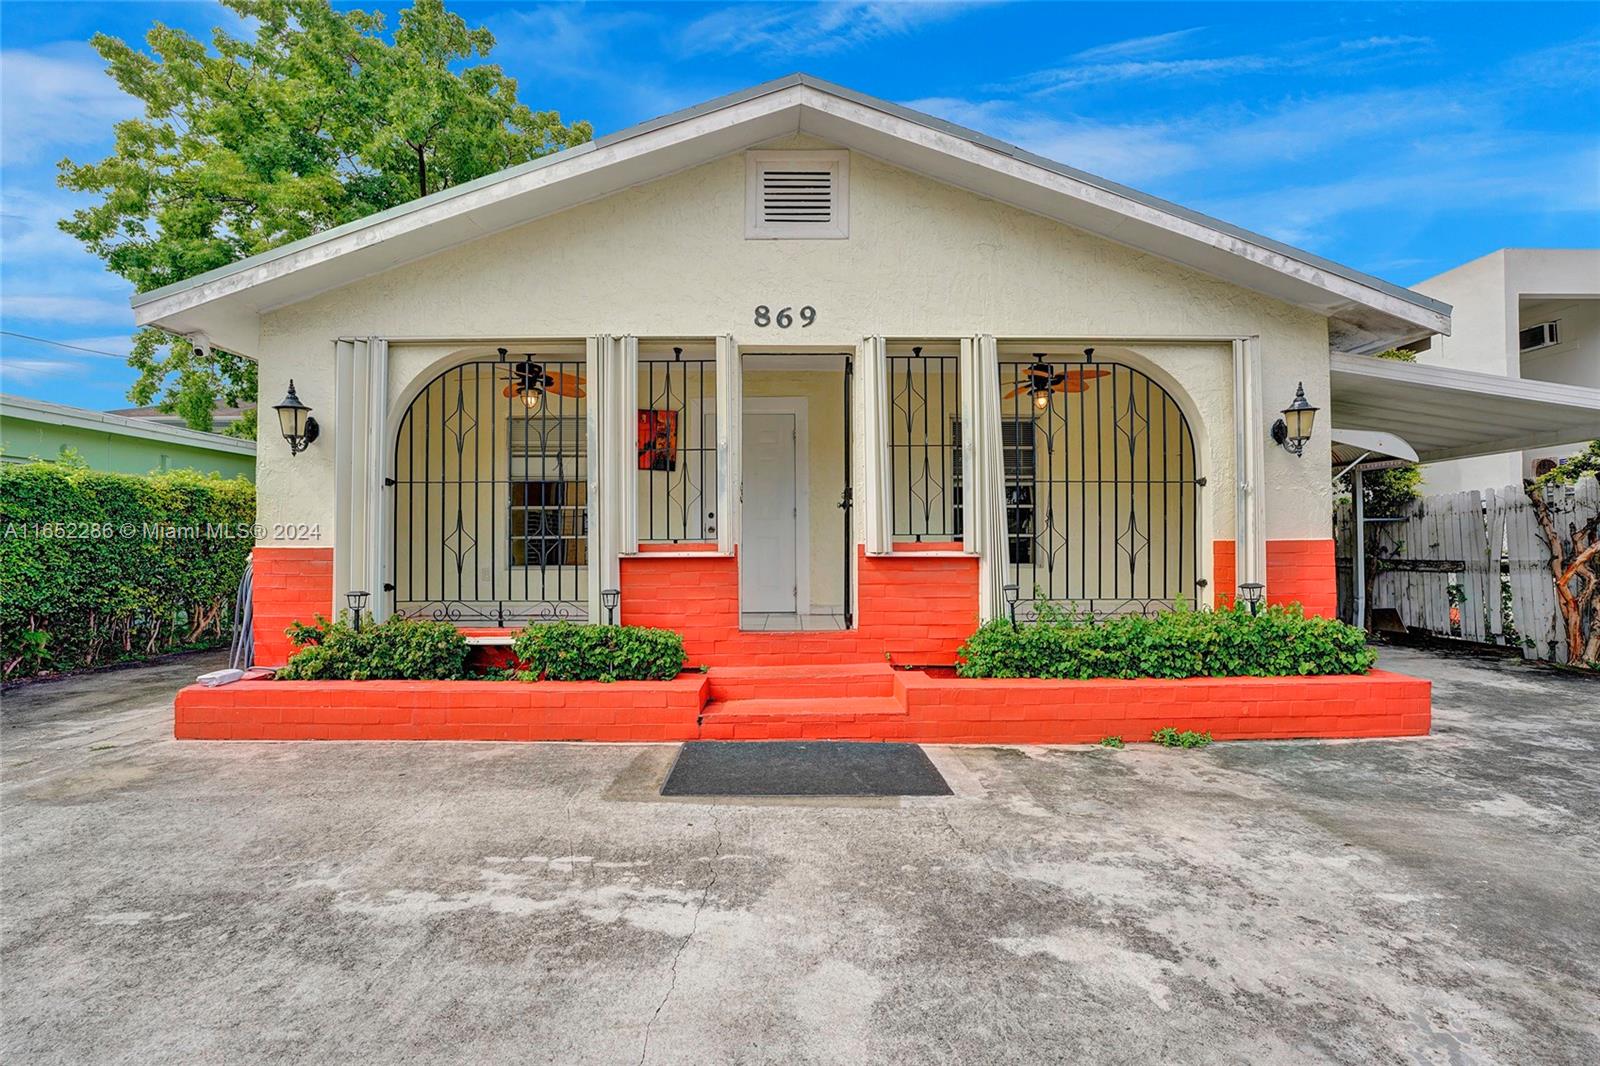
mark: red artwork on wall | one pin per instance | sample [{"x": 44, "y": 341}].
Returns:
[{"x": 658, "y": 440}]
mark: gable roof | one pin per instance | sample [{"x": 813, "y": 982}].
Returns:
[{"x": 1366, "y": 313}]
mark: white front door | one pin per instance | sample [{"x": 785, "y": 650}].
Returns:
[{"x": 767, "y": 564}]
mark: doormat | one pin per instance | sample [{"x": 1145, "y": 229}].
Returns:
[{"x": 802, "y": 768}]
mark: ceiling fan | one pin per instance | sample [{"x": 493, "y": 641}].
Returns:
[
  {"x": 1041, "y": 379},
  {"x": 530, "y": 381}
]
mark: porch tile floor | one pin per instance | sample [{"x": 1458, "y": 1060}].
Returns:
[{"x": 765, "y": 622}]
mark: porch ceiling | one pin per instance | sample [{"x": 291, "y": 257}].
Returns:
[
  {"x": 1364, "y": 312},
  {"x": 1446, "y": 413}
]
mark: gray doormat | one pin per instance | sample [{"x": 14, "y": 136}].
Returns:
[{"x": 802, "y": 768}]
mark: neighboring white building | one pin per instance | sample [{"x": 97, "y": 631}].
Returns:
[{"x": 1531, "y": 313}]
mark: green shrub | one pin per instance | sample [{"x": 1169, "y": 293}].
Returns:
[
  {"x": 400, "y": 649},
  {"x": 567, "y": 651},
  {"x": 1168, "y": 737},
  {"x": 98, "y": 567},
  {"x": 1279, "y": 642}
]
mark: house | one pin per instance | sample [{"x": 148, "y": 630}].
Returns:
[
  {"x": 809, "y": 377},
  {"x": 1526, "y": 313},
  {"x": 32, "y": 430},
  {"x": 223, "y": 416}
]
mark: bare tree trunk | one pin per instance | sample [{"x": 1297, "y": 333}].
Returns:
[{"x": 1585, "y": 553}]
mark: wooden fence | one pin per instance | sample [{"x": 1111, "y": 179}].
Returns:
[{"x": 1473, "y": 565}]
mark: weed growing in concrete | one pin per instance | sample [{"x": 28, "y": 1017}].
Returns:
[
  {"x": 1111, "y": 742},
  {"x": 1168, "y": 737}
]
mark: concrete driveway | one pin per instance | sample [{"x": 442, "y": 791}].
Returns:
[{"x": 1433, "y": 900}]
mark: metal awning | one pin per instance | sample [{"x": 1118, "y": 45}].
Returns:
[
  {"x": 1365, "y": 450},
  {"x": 1445, "y": 413}
]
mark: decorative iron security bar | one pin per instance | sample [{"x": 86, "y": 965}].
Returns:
[
  {"x": 1102, "y": 490},
  {"x": 925, "y": 446},
  {"x": 677, "y": 449},
  {"x": 491, "y": 510}
]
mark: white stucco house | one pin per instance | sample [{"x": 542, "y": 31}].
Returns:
[
  {"x": 807, "y": 375},
  {"x": 1526, "y": 313}
]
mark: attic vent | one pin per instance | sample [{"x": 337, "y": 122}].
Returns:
[
  {"x": 797, "y": 195},
  {"x": 1544, "y": 335}
]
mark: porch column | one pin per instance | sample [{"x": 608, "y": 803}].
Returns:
[
  {"x": 984, "y": 473},
  {"x": 876, "y": 504},
  {"x": 612, "y": 385},
  {"x": 360, "y": 439},
  {"x": 1249, "y": 463},
  {"x": 730, "y": 405}
]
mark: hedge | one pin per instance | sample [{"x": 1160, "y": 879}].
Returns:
[
  {"x": 400, "y": 649},
  {"x": 1279, "y": 642},
  {"x": 98, "y": 567},
  {"x": 567, "y": 651}
]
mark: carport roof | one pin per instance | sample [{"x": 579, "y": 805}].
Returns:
[
  {"x": 1445, "y": 413},
  {"x": 1365, "y": 313}
]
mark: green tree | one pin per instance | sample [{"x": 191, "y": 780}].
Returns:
[{"x": 316, "y": 118}]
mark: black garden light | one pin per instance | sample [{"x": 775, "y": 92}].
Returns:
[
  {"x": 294, "y": 418},
  {"x": 1251, "y": 591},
  {"x": 609, "y": 599},
  {"x": 357, "y": 599},
  {"x": 1012, "y": 592},
  {"x": 1294, "y": 428}
]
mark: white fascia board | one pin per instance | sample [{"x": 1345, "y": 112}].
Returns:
[
  {"x": 379, "y": 243},
  {"x": 56, "y": 414},
  {"x": 1091, "y": 206},
  {"x": 664, "y": 146}
]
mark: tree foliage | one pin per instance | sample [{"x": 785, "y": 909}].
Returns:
[{"x": 316, "y": 118}]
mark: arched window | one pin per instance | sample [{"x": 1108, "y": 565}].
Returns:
[
  {"x": 491, "y": 508},
  {"x": 1102, "y": 488}
]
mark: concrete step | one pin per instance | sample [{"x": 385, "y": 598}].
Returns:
[
  {"x": 838, "y": 718},
  {"x": 821, "y": 682}
]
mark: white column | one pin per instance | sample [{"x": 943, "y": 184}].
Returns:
[
  {"x": 622, "y": 490},
  {"x": 876, "y": 506},
  {"x": 380, "y": 456},
  {"x": 983, "y": 469},
  {"x": 730, "y": 405},
  {"x": 360, "y": 371},
  {"x": 1249, "y": 463},
  {"x": 599, "y": 370}
]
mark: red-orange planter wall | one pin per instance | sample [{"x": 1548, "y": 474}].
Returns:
[
  {"x": 1298, "y": 571},
  {"x": 290, "y": 585},
  {"x": 915, "y": 608}
]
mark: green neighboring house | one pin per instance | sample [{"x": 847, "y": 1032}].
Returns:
[{"x": 35, "y": 429}]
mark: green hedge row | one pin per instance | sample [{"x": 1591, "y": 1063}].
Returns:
[
  {"x": 415, "y": 650},
  {"x": 1279, "y": 642},
  {"x": 98, "y": 567}
]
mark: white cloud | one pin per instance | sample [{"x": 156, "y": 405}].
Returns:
[
  {"x": 27, "y": 372},
  {"x": 1399, "y": 40},
  {"x": 54, "y": 99},
  {"x": 1155, "y": 44},
  {"x": 80, "y": 310},
  {"x": 802, "y": 29}
]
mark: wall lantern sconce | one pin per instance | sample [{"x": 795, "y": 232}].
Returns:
[
  {"x": 358, "y": 603},
  {"x": 294, "y": 418},
  {"x": 1251, "y": 591},
  {"x": 609, "y": 599},
  {"x": 1294, "y": 428},
  {"x": 1012, "y": 592}
]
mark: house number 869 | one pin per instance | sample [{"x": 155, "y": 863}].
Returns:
[{"x": 785, "y": 316}]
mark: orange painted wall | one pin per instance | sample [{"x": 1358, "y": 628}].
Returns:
[
  {"x": 1224, "y": 574},
  {"x": 1302, "y": 571},
  {"x": 1298, "y": 571},
  {"x": 915, "y": 608},
  {"x": 290, "y": 585}
]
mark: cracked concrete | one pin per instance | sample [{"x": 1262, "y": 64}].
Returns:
[{"x": 1412, "y": 901}]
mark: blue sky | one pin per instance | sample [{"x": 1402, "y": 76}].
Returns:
[{"x": 1401, "y": 139}]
